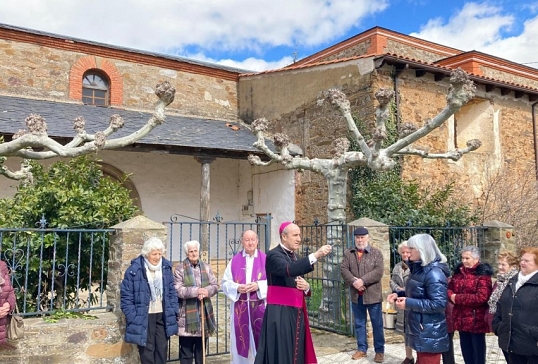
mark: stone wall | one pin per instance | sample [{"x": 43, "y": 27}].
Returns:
[{"x": 40, "y": 72}]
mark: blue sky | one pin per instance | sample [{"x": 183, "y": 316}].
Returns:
[{"x": 267, "y": 34}]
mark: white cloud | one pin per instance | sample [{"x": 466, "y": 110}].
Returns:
[
  {"x": 472, "y": 28},
  {"x": 249, "y": 64},
  {"x": 158, "y": 25},
  {"x": 480, "y": 27}
]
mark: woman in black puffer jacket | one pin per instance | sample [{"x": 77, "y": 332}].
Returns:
[{"x": 516, "y": 318}]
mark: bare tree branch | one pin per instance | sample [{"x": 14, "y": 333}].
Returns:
[{"x": 25, "y": 142}]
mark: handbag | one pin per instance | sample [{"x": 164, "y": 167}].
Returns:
[{"x": 15, "y": 326}]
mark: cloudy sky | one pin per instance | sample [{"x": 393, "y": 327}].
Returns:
[{"x": 266, "y": 34}]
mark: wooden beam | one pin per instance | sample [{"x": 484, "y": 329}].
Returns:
[
  {"x": 490, "y": 88},
  {"x": 505, "y": 91},
  {"x": 439, "y": 76},
  {"x": 420, "y": 73},
  {"x": 519, "y": 94},
  {"x": 533, "y": 97}
]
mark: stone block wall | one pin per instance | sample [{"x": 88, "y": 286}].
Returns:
[{"x": 42, "y": 72}]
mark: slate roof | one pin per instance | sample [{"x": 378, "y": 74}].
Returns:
[{"x": 179, "y": 134}]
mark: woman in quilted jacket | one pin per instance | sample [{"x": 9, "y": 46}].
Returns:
[
  {"x": 7, "y": 300},
  {"x": 469, "y": 290},
  {"x": 149, "y": 302},
  {"x": 425, "y": 299}
]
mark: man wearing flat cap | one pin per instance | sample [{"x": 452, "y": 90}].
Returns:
[{"x": 362, "y": 270}]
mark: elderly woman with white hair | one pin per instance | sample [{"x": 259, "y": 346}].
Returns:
[
  {"x": 149, "y": 302},
  {"x": 425, "y": 299},
  {"x": 195, "y": 284},
  {"x": 469, "y": 290},
  {"x": 398, "y": 280}
]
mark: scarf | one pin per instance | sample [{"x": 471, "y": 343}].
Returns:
[
  {"x": 192, "y": 317},
  {"x": 502, "y": 281},
  {"x": 521, "y": 279},
  {"x": 155, "y": 284}
]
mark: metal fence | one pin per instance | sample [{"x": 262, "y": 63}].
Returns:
[
  {"x": 328, "y": 304},
  {"x": 450, "y": 240},
  {"x": 219, "y": 241},
  {"x": 57, "y": 269}
]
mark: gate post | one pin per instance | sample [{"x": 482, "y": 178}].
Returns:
[{"x": 498, "y": 236}]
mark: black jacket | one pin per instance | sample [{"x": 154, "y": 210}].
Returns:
[{"x": 516, "y": 319}]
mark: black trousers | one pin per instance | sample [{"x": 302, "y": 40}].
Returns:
[
  {"x": 448, "y": 356},
  {"x": 190, "y": 347},
  {"x": 473, "y": 347},
  {"x": 514, "y": 358},
  {"x": 156, "y": 344}
]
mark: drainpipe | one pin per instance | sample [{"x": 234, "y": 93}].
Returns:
[{"x": 534, "y": 127}]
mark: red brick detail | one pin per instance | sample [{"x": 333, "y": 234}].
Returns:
[
  {"x": 87, "y": 63},
  {"x": 378, "y": 44}
]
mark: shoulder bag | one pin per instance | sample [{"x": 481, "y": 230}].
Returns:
[{"x": 15, "y": 326}]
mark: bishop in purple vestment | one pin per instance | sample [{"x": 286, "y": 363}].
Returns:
[{"x": 245, "y": 284}]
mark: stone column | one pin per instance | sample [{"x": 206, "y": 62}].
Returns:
[
  {"x": 125, "y": 245},
  {"x": 205, "y": 188},
  {"x": 498, "y": 236}
]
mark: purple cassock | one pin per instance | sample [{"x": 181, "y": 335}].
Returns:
[{"x": 248, "y": 307}]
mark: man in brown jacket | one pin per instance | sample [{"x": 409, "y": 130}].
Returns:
[{"x": 362, "y": 270}]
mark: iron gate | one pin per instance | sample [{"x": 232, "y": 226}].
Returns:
[{"x": 219, "y": 241}]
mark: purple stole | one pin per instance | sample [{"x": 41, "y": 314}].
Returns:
[{"x": 242, "y": 308}]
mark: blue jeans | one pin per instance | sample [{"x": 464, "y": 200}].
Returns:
[{"x": 376, "y": 317}]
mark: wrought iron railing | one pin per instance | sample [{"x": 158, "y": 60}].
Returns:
[{"x": 57, "y": 269}]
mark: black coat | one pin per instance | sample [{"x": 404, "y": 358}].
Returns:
[{"x": 516, "y": 319}]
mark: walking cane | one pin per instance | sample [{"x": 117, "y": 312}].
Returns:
[{"x": 203, "y": 330}]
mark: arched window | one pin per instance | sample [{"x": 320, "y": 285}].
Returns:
[{"x": 95, "y": 89}]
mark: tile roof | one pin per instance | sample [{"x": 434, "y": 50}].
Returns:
[
  {"x": 181, "y": 133},
  {"x": 396, "y": 57}
]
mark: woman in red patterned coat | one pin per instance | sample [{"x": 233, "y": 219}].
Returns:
[
  {"x": 7, "y": 300},
  {"x": 469, "y": 290}
]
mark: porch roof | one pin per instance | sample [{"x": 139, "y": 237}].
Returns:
[{"x": 178, "y": 135}]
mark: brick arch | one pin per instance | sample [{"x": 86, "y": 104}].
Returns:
[{"x": 87, "y": 63}]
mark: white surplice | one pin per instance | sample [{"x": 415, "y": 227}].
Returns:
[{"x": 229, "y": 287}]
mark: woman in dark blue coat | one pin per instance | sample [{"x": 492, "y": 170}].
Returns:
[
  {"x": 425, "y": 300},
  {"x": 149, "y": 303}
]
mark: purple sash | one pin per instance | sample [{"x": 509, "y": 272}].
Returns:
[{"x": 243, "y": 307}]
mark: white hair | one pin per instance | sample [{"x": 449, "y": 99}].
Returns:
[
  {"x": 153, "y": 244},
  {"x": 426, "y": 246},
  {"x": 190, "y": 244},
  {"x": 403, "y": 244},
  {"x": 475, "y": 252}
]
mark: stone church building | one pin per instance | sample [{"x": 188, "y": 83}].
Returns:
[{"x": 207, "y": 127}]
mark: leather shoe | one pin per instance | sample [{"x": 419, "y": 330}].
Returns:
[
  {"x": 379, "y": 357},
  {"x": 409, "y": 361},
  {"x": 358, "y": 355}
]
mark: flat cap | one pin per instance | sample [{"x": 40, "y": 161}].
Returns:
[{"x": 360, "y": 231}]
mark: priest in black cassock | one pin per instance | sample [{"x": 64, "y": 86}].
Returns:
[{"x": 285, "y": 336}]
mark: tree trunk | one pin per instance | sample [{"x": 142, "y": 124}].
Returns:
[{"x": 330, "y": 308}]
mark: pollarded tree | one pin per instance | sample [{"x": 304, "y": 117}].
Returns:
[
  {"x": 372, "y": 154},
  {"x": 35, "y": 144}
]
